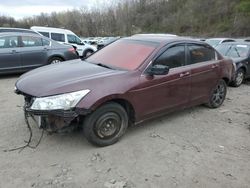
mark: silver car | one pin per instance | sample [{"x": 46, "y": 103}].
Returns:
[{"x": 20, "y": 52}]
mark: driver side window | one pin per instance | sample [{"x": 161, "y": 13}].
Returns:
[
  {"x": 71, "y": 39},
  {"x": 173, "y": 57}
]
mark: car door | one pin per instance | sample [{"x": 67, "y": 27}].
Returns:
[
  {"x": 248, "y": 64},
  {"x": 205, "y": 71},
  {"x": 163, "y": 93},
  {"x": 9, "y": 53},
  {"x": 33, "y": 53}
]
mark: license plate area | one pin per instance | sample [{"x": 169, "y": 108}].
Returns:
[{"x": 38, "y": 120}]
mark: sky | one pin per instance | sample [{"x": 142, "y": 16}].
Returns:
[{"x": 25, "y": 8}]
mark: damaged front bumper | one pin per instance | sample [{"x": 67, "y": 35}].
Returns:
[{"x": 54, "y": 120}]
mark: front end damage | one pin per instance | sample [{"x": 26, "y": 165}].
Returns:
[{"x": 53, "y": 120}]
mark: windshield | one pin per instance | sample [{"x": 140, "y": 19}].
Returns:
[
  {"x": 73, "y": 39},
  {"x": 125, "y": 54},
  {"x": 213, "y": 42},
  {"x": 236, "y": 50}
]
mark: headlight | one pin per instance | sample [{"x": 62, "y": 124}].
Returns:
[{"x": 59, "y": 102}]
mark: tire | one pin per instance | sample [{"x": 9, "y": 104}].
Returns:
[
  {"x": 87, "y": 53},
  {"x": 106, "y": 125},
  {"x": 218, "y": 95},
  {"x": 239, "y": 78},
  {"x": 55, "y": 60}
]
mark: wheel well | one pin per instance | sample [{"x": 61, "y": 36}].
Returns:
[
  {"x": 127, "y": 106},
  {"x": 226, "y": 80},
  {"x": 56, "y": 56},
  {"x": 87, "y": 50},
  {"x": 243, "y": 68}
]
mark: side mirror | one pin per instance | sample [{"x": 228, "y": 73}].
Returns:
[
  {"x": 81, "y": 43},
  {"x": 158, "y": 70}
]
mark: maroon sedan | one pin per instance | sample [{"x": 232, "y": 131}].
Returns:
[{"x": 129, "y": 81}]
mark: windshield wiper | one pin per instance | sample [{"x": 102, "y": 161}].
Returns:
[
  {"x": 106, "y": 66},
  {"x": 237, "y": 52}
]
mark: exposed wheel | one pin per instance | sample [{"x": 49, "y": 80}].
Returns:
[
  {"x": 87, "y": 53},
  {"x": 106, "y": 125},
  {"x": 55, "y": 60},
  {"x": 218, "y": 95},
  {"x": 239, "y": 78}
]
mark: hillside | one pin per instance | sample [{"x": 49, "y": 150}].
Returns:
[{"x": 183, "y": 17}]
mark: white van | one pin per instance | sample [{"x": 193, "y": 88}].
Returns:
[{"x": 65, "y": 36}]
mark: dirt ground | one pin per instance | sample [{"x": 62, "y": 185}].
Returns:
[{"x": 197, "y": 147}]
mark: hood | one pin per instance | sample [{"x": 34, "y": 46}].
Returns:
[
  {"x": 238, "y": 59},
  {"x": 61, "y": 78}
]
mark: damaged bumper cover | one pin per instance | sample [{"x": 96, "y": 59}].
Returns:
[
  {"x": 52, "y": 120},
  {"x": 55, "y": 120}
]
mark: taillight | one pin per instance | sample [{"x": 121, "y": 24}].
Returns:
[{"x": 72, "y": 50}]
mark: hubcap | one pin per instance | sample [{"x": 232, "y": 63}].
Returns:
[
  {"x": 55, "y": 61},
  {"x": 219, "y": 94},
  {"x": 88, "y": 54},
  {"x": 108, "y": 125},
  {"x": 239, "y": 78}
]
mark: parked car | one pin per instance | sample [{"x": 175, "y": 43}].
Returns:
[
  {"x": 65, "y": 36},
  {"x": 128, "y": 81},
  {"x": 105, "y": 41},
  {"x": 216, "y": 41},
  {"x": 20, "y": 52},
  {"x": 20, "y": 30},
  {"x": 240, "y": 53},
  {"x": 247, "y": 40}
]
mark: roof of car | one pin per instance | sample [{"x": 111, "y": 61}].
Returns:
[
  {"x": 51, "y": 29},
  {"x": 21, "y": 34},
  {"x": 163, "y": 39},
  {"x": 220, "y": 39},
  {"x": 237, "y": 43},
  {"x": 15, "y": 28}
]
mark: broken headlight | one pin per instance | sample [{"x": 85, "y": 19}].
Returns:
[{"x": 59, "y": 102}]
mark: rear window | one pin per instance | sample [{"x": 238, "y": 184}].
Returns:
[
  {"x": 8, "y": 42},
  {"x": 58, "y": 37},
  {"x": 199, "y": 53},
  {"x": 28, "y": 41},
  {"x": 125, "y": 54}
]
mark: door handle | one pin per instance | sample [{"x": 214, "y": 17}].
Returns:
[
  {"x": 184, "y": 74},
  {"x": 215, "y": 66}
]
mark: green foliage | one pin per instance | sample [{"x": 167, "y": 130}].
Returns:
[
  {"x": 244, "y": 6},
  {"x": 127, "y": 17}
]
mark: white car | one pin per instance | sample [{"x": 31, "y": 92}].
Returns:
[
  {"x": 65, "y": 36},
  {"x": 214, "y": 42}
]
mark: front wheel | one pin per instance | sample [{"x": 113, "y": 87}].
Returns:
[
  {"x": 218, "y": 95},
  {"x": 106, "y": 125},
  {"x": 55, "y": 60},
  {"x": 87, "y": 53}
]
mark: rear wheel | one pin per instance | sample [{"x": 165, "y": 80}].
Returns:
[
  {"x": 239, "y": 78},
  {"x": 106, "y": 125},
  {"x": 55, "y": 60},
  {"x": 87, "y": 53},
  {"x": 218, "y": 95}
]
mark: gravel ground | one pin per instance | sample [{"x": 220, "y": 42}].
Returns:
[{"x": 197, "y": 147}]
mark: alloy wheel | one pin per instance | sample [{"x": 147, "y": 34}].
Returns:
[
  {"x": 239, "y": 78},
  {"x": 219, "y": 94},
  {"x": 55, "y": 61}
]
